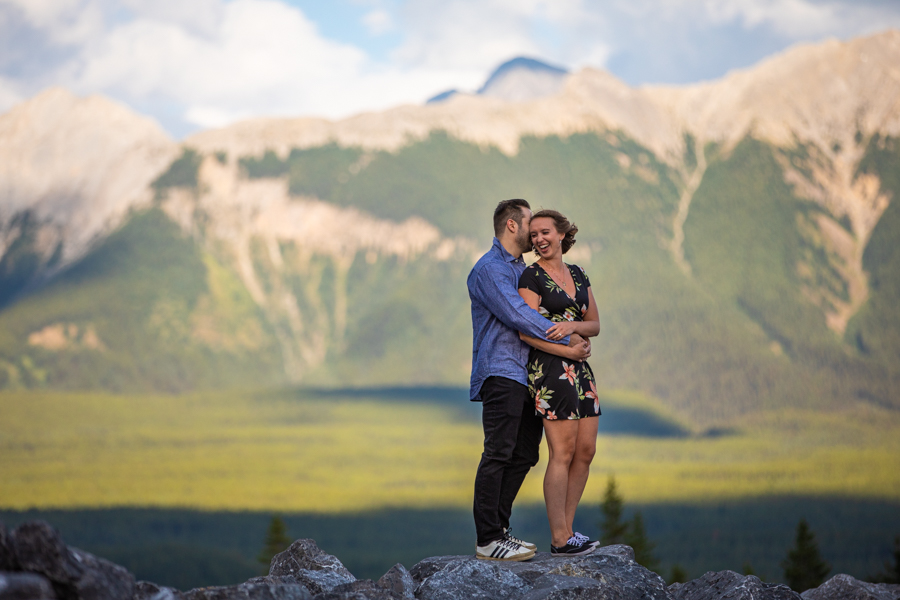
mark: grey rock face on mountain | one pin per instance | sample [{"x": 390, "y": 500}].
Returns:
[
  {"x": 845, "y": 587},
  {"x": 729, "y": 585},
  {"x": 522, "y": 79},
  {"x": 77, "y": 166}
]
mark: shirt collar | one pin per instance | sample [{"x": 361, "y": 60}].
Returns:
[{"x": 506, "y": 256}]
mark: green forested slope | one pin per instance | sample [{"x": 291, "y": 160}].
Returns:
[
  {"x": 735, "y": 335},
  {"x": 135, "y": 313}
]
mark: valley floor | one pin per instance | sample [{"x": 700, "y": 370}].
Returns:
[{"x": 337, "y": 452}]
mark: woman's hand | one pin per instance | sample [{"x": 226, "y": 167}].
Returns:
[{"x": 561, "y": 330}]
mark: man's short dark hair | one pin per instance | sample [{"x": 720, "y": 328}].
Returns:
[{"x": 506, "y": 210}]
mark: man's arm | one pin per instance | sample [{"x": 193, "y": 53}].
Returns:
[
  {"x": 579, "y": 349},
  {"x": 496, "y": 288}
]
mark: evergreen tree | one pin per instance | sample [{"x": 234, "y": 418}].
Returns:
[
  {"x": 636, "y": 537},
  {"x": 613, "y": 528},
  {"x": 276, "y": 541},
  {"x": 804, "y": 567},
  {"x": 677, "y": 575},
  {"x": 891, "y": 572}
]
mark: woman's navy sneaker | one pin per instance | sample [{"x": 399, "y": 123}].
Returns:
[{"x": 573, "y": 547}]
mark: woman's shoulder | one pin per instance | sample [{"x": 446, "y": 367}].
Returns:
[{"x": 577, "y": 271}]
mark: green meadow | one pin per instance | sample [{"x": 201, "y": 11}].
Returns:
[{"x": 350, "y": 451}]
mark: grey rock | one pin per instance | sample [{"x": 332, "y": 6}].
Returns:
[
  {"x": 845, "y": 587},
  {"x": 38, "y": 548},
  {"x": 728, "y": 585},
  {"x": 145, "y": 590},
  {"x": 25, "y": 586},
  {"x": 468, "y": 577},
  {"x": 269, "y": 590},
  {"x": 7, "y": 556},
  {"x": 102, "y": 579},
  {"x": 399, "y": 583},
  {"x": 74, "y": 573},
  {"x": 305, "y": 563},
  {"x": 427, "y": 567},
  {"x": 613, "y": 567},
  {"x": 364, "y": 589},
  {"x": 563, "y": 587},
  {"x": 612, "y": 570}
]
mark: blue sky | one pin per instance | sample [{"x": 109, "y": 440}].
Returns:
[{"x": 194, "y": 64}]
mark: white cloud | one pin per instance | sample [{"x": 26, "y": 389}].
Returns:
[
  {"x": 9, "y": 94},
  {"x": 378, "y": 21},
  {"x": 208, "y": 62}
]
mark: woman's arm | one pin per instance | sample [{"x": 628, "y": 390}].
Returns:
[
  {"x": 589, "y": 327},
  {"x": 577, "y": 350}
]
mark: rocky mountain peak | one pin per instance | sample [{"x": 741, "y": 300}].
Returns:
[
  {"x": 76, "y": 165},
  {"x": 522, "y": 79}
]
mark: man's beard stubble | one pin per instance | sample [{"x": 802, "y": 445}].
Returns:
[{"x": 523, "y": 239}]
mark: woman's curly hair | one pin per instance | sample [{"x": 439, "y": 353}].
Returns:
[{"x": 563, "y": 226}]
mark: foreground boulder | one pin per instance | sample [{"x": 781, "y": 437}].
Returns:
[
  {"x": 729, "y": 585},
  {"x": 38, "y": 548},
  {"x": 305, "y": 563},
  {"x": 844, "y": 587},
  {"x": 35, "y": 564},
  {"x": 609, "y": 573}
]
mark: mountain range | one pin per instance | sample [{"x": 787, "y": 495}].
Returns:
[{"x": 741, "y": 236}]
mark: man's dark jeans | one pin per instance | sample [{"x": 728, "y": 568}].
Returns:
[{"x": 512, "y": 439}]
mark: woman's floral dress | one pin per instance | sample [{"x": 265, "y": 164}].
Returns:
[{"x": 561, "y": 389}]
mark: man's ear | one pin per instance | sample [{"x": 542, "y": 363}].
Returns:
[{"x": 512, "y": 226}]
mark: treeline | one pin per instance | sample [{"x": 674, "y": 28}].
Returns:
[{"x": 803, "y": 566}]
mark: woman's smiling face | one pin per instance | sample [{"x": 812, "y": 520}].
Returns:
[{"x": 545, "y": 238}]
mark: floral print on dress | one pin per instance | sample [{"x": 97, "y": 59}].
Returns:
[{"x": 561, "y": 389}]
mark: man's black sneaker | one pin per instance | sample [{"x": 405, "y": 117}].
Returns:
[
  {"x": 573, "y": 547},
  {"x": 586, "y": 540}
]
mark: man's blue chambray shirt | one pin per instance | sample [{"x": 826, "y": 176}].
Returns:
[{"x": 498, "y": 315}]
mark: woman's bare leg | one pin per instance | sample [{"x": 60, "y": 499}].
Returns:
[
  {"x": 580, "y": 467},
  {"x": 561, "y": 438}
]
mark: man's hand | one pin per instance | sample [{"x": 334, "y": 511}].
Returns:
[{"x": 579, "y": 348}]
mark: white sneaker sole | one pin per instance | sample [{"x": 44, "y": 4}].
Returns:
[{"x": 518, "y": 558}]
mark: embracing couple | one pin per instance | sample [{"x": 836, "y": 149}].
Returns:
[{"x": 531, "y": 325}]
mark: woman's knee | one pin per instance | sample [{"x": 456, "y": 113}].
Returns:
[
  {"x": 563, "y": 453},
  {"x": 585, "y": 452}
]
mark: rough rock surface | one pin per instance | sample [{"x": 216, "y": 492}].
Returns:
[
  {"x": 609, "y": 573},
  {"x": 264, "y": 590},
  {"x": 364, "y": 589},
  {"x": 728, "y": 585},
  {"x": 46, "y": 569},
  {"x": 146, "y": 590},
  {"x": 399, "y": 582},
  {"x": 305, "y": 563},
  {"x": 39, "y": 548},
  {"x": 845, "y": 587},
  {"x": 7, "y": 556},
  {"x": 25, "y": 586}
]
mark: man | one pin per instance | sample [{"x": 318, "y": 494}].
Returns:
[{"x": 512, "y": 431}]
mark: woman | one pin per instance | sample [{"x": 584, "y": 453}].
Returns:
[{"x": 564, "y": 391}]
